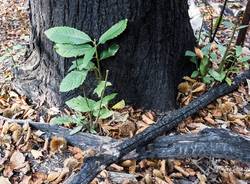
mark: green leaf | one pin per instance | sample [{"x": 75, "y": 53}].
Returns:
[
  {"x": 190, "y": 53},
  {"x": 217, "y": 76},
  {"x": 206, "y": 49},
  {"x": 114, "y": 31},
  {"x": 195, "y": 74},
  {"x": 222, "y": 49},
  {"x": 228, "y": 24},
  {"x": 244, "y": 59},
  {"x": 76, "y": 130},
  {"x": 242, "y": 27},
  {"x": 246, "y": 65},
  {"x": 204, "y": 66},
  {"x": 73, "y": 80},
  {"x": 68, "y": 51},
  {"x": 103, "y": 114},
  {"x": 87, "y": 58},
  {"x": 63, "y": 120},
  {"x": 79, "y": 62},
  {"x": 228, "y": 81},
  {"x": 105, "y": 101},
  {"x": 194, "y": 60},
  {"x": 112, "y": 50},
  {"x": 101, "y": 87},
  {"x": 207, "y": 79},
  {"x": 92, "y": 130},
  {"x": 108, "y": 98},
  {"x": 4, "y": 57},
  {"x": 67, "y": 35},
  {"x": 73, "y": 66},
  {"x": 213, "y": 56},
  {"x": 18, "y": 47},
  {"x": 238, "y": 50},
  {"x": 81, "y": 104},
  {"x": 119, "y": 105}
]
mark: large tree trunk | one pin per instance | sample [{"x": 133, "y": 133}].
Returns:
[{"x": 148, "y": 66}]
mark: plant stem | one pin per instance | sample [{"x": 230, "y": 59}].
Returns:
[
  {"x": 97, "y": 61},
  {"x": 227, "y": 50},
  {"x": 200, "y": 31},
  {"x": 89, "y": 114},
  {"x": 102, "y": 95},
  {"x": 211, "y": 28}
]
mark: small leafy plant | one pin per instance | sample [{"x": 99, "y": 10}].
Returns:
[
  {"x": 70, "y": 42},
  {"x": 215, "y": 62}
]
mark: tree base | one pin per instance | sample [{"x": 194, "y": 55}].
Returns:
[
  {"x": 33, "y": 80},
  {"x": 148, "y": 66}
]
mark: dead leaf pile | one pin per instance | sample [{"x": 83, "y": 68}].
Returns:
[{"x": 28, "y": 157}]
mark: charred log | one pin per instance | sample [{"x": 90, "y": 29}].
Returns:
[{"x": 116, "y": 151}]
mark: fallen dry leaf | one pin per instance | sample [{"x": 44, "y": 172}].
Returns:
[
  {"x": 52, "y": 176},
  {"x": 63, "y": 173},
  {"x": 36, "y": 153},
  {"x": 199, "y": 87},
  {"x": 26, "y": 180},
  {"x": 184, "y": 87},
  {"x": 248, "y": 84},
  {"x": 198, "y": 53},
  {"x": 158, "y": 173},
  {"x": 147, "y": 119},
  {"x": 71, "y": 163},
  {"x": 4, "y": 180},
  {"x": 57, "y": 144},
  {"x": 17, "y": 159},
  {"x": 148, "y": 179},
  {"x": 202, "y": 178}
]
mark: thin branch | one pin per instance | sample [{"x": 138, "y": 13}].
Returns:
[
  {"x": 245, "y": 21},
  {"x": 219, "y": 22}
]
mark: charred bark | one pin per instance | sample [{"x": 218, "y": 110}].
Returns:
[
  {"x": 148, "y": 66},
  {"x": 93, "y": 165},
  {"x": 218, "y": 143},
  {"x": 118, "y": 150}
]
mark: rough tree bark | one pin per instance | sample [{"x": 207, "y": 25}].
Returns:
[{"x": 148, "y": 66}]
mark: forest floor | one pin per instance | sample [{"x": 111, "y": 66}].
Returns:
[{"x": 27, "y": 157}]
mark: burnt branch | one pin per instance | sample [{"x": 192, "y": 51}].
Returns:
[
  {"x": 218, "y": 143},
  {"x": 94, "y": 165},
  {"x": 81, "y": 140},
  {"x": 111, "y": 151}
]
